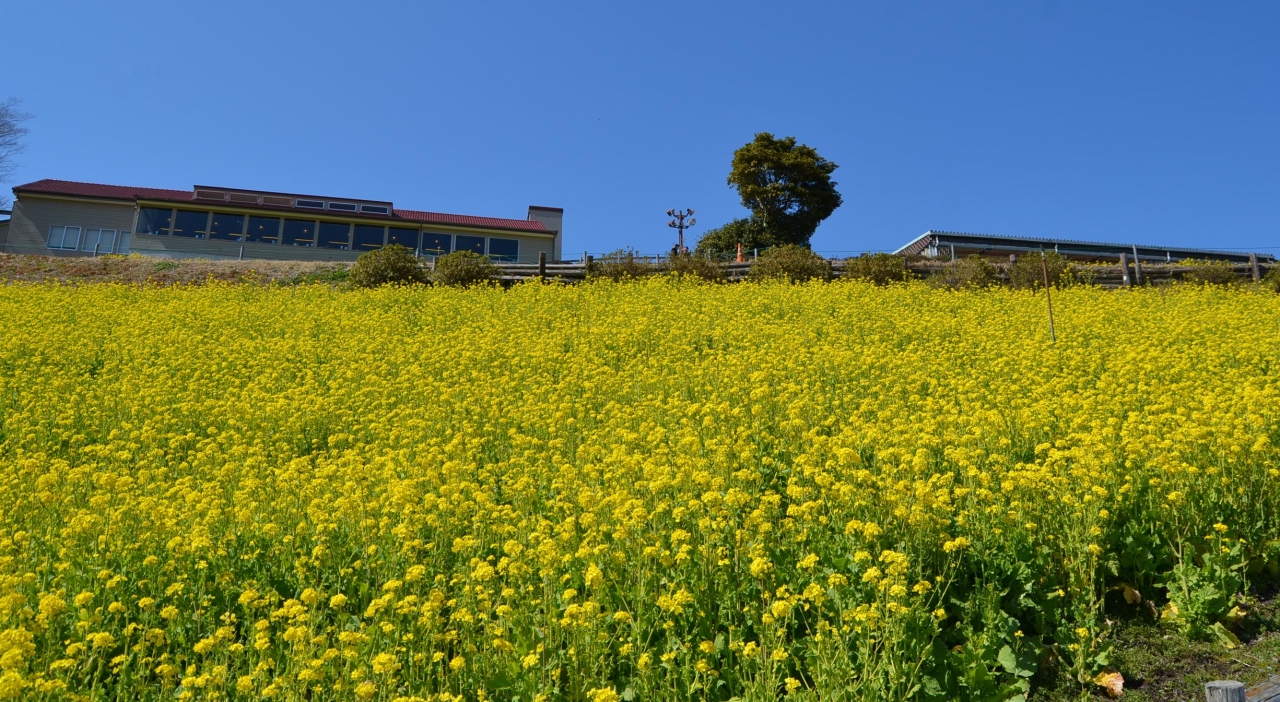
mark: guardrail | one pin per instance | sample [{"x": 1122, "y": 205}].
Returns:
[{"x": 1124, "y": 274}]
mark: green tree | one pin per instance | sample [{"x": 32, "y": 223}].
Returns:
[
  {"x": 787, "y": 186},
  {"x": 723, "y": 241}
]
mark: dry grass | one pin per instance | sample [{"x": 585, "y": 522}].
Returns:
[{"x": 136, "y": 269}]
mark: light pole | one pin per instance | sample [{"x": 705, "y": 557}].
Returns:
[{"x": 680, "y": 224}]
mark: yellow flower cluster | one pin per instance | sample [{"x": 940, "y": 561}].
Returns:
[{"x": 655, "y": 490}]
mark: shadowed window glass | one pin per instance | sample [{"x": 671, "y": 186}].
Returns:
[
  {"x": 191, "y": 224},
  {"x": 504, "y": 249},
  {"x": 334, "y": 236},
  {"x": 407, "y": 238},
  {"x": 437, "y": 244},
  {"x": 264, "y": 230},
  {"x": 470, "y": 243},
  {"x": 154, "y": 220},
  {"x": 226, "y": 227},
  {"x": 299, "y": 232},
  {"x": 367, "y": 238}
]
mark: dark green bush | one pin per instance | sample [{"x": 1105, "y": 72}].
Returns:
[
  {"x": 792, "y": 263},
  {"x": 392, "y": 265},
  {"x": 463, "y": 268},
  {"x": 1028, "y": 270},
  {"x": 1211, "y": 273},
  {"x": 623, "y": 264},
  {"x": 880, "y": 268},
  {"x": 970, "y": 272},
  {"x": 1271, "y": 280},
  {"x": 695, "y": 266}
]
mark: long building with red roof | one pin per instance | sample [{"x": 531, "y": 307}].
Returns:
[{"x": 67, "y": 218}]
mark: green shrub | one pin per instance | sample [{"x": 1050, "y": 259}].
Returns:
[
  {"x": 792, "y": 263},
  {"x": 1028, "y": 271},
  {"x": 880, "y": 268},
  {"x": 392, "y": 265},
  {"x": 695, "y": 266},
  {"x": 1211, "y": 273},
  {"x": 463, "y": 268},
  {"x": 1271, "y": 280},
  {"x": 623, "y": 264},
  {"x": 969, "y": 272}
]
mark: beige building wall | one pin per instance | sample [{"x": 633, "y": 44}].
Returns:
[{"x": 34, "y": 215}]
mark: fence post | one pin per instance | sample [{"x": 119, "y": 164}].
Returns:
[
  {"x": 542, "y": 265},
  {"x": 1124, "y": 269},
  {"x": 1224, "y": 691},
  {"x": 241, "y": 253},
  {"x": 1137, "y": 266},
  {"x": 1253, "y": 267}
]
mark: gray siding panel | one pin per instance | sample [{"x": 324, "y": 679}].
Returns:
[
  {"x": 32, "y": 217},
  {"x": 181, "y": 247},
  {"x": 4, "y": 233}
]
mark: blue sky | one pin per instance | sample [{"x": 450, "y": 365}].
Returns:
[{"x": 1132, "y": 122}]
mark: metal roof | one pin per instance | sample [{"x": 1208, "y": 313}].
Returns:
[
  {"x": 1078, "y": 246},
  {"x": 124, "y": 192}
]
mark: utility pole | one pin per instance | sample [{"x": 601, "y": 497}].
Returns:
[{"x": 680, "y": 224}]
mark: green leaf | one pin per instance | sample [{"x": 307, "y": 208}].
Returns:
[{"x": 1008, "y": 660}]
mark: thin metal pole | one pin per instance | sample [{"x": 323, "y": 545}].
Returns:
[{"x": 1044, "y": 267}]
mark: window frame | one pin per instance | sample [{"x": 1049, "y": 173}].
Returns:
[
  {"x": 98, "y": 243},
  {"x": 62, "y": 242}
]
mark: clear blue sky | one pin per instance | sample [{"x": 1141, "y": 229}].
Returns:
[{"x": 1137, "y": 122}]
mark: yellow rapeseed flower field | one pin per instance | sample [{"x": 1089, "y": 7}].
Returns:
[{"x": 649, "y": 491}]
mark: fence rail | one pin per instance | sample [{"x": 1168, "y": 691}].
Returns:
[{"x": 1120, "y": 275}]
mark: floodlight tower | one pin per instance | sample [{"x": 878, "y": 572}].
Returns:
[{"x": 679, "y": 223}]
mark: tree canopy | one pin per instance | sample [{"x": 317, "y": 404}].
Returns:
[{"x": 787, "y": 186}]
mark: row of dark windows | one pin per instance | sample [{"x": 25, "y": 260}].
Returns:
[{"x": 242, "y": 228}]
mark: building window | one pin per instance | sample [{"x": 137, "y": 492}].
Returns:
[
  {"x": 375, "y": 209},
  {"x": 67, "y": 238},
  {"x": 153, "y": 220},
  {"x": 226, "y": 227},
  {"x": 470, "y": 243},
  {"x": 333, "y": 235},
  {"x": 101, "y": 241},
  {"x": 191, "y": 224},
  {"x": 264, "y": 230},
  {"x": 367, "y": 238},
  {"x": 436, "y": 244},
  {"x": 313, "y": 204},
  {"x": 343, "y": 206},
  {"x": 299, "y": 232},
  {"x": 407, "y": 238},
  {"x": 504, "y": 249}
]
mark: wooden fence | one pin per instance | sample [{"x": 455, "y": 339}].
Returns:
[
  {"x": 1232, "y": 691},
  {"x": 1122, "y": 274}
]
